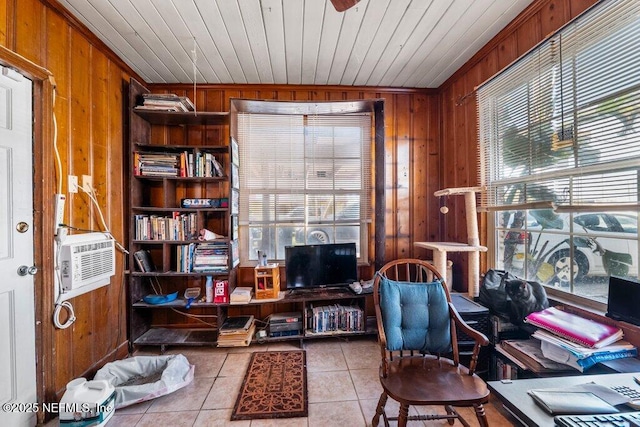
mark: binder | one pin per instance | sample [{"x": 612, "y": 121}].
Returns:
[{"x": 586, "y": 332}]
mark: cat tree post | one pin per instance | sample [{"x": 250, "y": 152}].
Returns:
[{"x": 472, "y": 247}]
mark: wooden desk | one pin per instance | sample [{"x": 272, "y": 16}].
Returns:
[{"x": 514, "y": 397}]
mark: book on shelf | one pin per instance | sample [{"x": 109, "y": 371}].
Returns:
[
  {"x": 144, "y": 261},
  {"x": 200, "y": 202},
  {"x": 199, "y": 164},
  {"x": 578, "y": 357},
  {"x": 586, "y": 332},
  {"x": 178, "y": 226}
]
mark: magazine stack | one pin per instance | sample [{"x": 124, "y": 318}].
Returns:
[
  {"x": 165, "y": 102},
  {"x": 156, "y": 164},
  {"x": 210, "y": 257}
]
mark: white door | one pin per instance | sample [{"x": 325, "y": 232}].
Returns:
[{"x": 17, "y": 315}]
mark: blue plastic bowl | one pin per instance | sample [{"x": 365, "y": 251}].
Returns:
[{"x": 159, "y": 299}]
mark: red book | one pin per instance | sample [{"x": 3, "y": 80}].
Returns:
[{"x": 586, "y": 332}]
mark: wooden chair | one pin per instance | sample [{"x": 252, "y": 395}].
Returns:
[{"x": 417, "y": 335}]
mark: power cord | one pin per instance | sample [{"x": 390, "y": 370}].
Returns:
[
  {"x": 261, "y": 334},
  {"x": 157, "y": 289},
  {"x": 56, "y": 315},
  {"x": 91, "y": 194},
  {"x": 64, "y": 304}
]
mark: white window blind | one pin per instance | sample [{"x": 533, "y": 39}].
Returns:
[
  {"x": 562, "y": 124},
  {"x": 304, "y": 179}
]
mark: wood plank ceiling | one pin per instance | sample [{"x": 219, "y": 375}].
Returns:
[{"x": 389, "y": 43}]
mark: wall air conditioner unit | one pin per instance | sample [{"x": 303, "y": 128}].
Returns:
[{"x": 86, "y": 262}]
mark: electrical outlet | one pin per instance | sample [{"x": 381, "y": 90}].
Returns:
[
  {"x": 73, "y": 184},
  {"x": 87, "y": 183}
]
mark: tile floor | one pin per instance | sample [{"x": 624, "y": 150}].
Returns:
[{"x": 342, "y": 379}]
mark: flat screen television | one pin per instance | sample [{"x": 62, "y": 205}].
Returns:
[{"x": 318, "y": 266}]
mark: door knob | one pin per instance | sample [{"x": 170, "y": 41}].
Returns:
[{"x": 23, "y": 270}]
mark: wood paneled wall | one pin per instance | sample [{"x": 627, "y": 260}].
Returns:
[
  {"x": 411, "y": 152},
  {"x": 430, "y": 144},
  {"x": 459, "y": 137},
  {"x": 91, "y": 140},
  {"x": 89, "y": 115}
]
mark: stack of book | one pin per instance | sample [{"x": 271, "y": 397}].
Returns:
[
  {"x": 211, "y": 257},
  {"x": 236, "y": 331},
  {"x": 578, "y": 342},
  {"x": 165, "y": 102},
  {"x": 156, "y": 164}
]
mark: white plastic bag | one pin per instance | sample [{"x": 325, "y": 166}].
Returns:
[{"x": 142, "y": 378}]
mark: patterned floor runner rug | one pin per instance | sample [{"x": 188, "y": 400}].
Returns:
[{"x": 275, "y": 386}]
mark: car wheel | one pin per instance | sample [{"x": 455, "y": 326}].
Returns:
[
  {"x": 561, "y": 262},
  {"x": 318, "y": 237}
]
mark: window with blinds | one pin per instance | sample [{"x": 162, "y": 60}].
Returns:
[
  {"x": 304, "y": 179},
  {"x": 559, "y": 136}
]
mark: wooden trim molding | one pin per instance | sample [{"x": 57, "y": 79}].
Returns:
[
  {"x": 33, "y": 71},
  {"x": 287, "y": 87},
  {"x": 43, "y": 179}
]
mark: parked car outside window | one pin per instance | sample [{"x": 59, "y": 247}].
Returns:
[{"x": 603, "y": 244}]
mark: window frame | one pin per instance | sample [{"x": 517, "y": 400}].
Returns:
[
  {"x": 559, "y": 54},
  {"x": 375, "y": 107}
]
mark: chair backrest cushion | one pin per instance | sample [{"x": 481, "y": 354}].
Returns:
[{"x": 415, "y": 316}]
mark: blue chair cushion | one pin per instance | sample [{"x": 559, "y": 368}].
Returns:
[{"x": 415, "y": 317}]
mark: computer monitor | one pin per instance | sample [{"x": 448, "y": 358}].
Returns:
[{"x": 624, "y": 300}]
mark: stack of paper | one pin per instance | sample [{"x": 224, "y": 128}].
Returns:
[
  {"x": 578, "y": 356},
  {"x": 241, "y": 295},
  {"x": 529, "y": 353}
]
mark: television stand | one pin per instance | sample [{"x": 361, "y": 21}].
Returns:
[{"x": 345, "y": 314}]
